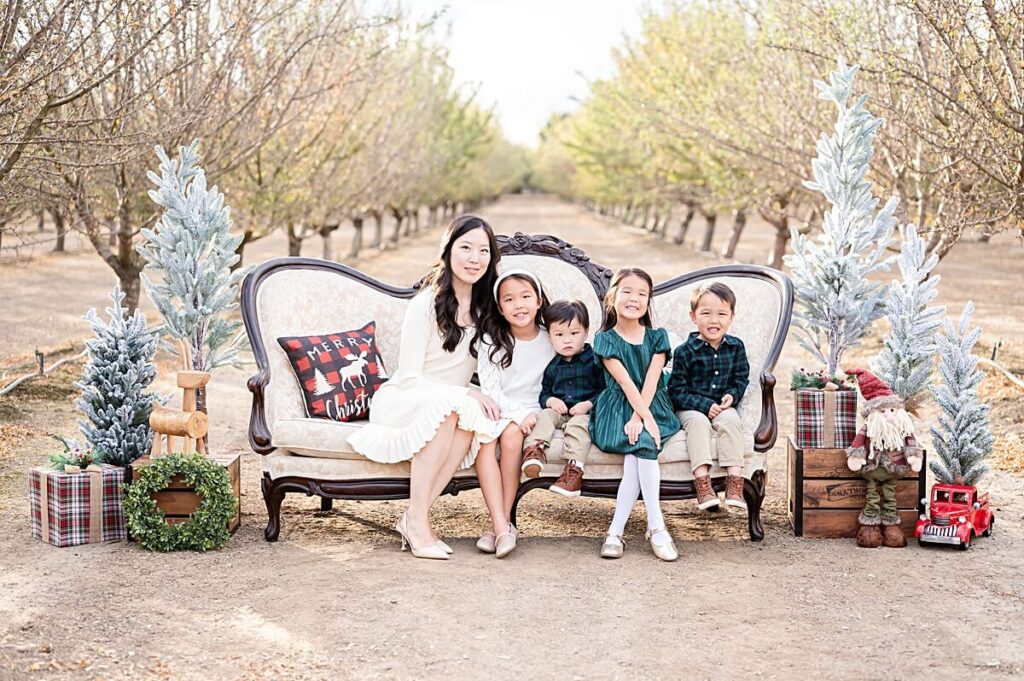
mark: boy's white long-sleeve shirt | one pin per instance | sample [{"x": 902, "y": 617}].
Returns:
[{"x": 516, "y": 389}]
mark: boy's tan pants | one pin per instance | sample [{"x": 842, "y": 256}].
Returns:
[
  {"x": 576, "y": 443},
  {"x": 699, "y": 431}
]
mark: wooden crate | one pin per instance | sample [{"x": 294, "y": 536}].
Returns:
[
  {"x": 178, "y": 500},
  {"x": 824, "y": 497}
]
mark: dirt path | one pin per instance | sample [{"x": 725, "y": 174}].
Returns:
[{"x": 334, "y": 598}]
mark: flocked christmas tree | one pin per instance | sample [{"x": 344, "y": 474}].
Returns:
[
  {"x": 963, "y": 438},
  {"x": 908, "y": 352},
  {"x": 189, "y": 256},
  {"x": 114, "y": 397},
  {"x": 836, "y": 300}
]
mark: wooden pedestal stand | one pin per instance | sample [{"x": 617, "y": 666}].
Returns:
[{"x": 178, "y": 500}]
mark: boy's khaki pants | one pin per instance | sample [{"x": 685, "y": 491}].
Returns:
[
  {"x": 699, "y": 432},
  {"x": 576, "y": 442}
]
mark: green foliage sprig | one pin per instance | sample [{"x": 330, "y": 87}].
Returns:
[
  {"x": 817, "y": 380},
  {"x": 74, "y": 454},
  {"x": 207, "y": 527}
]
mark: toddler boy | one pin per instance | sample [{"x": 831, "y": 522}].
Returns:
[{"x": 570, "y": 385}]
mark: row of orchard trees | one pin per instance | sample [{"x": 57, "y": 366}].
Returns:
[
  {"x": 310, "y": 115},
  {"x": 712, "y": 112}
]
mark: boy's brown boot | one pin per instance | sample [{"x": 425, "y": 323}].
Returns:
[
  {"x": 706, "y": 496},
  {"x": 534, "y": 459},
  {"x": 734, "y": 492},
  {"x": 570, "y": 481}
]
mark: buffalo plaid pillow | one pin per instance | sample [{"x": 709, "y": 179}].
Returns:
[{"x": 338, "y": 372}]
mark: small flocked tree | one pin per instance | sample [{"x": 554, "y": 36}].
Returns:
[
  {"x": 908, "y": 352},
  {"x": 963, "y": 438},
  {"x": 189, "y": 258},
  {"x": 836, "y": 300},
  {"x": 114, "y": 397}
]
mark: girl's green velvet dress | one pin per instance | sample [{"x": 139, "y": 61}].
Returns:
[{"x": 612, "y": 410}]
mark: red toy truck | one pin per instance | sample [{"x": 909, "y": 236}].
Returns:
[{"x": 956, "y": 515}]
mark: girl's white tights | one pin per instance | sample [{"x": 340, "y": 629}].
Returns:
[{"x": 639, "y": 474}]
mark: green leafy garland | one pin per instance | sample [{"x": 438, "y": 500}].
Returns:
[
  {"x": 818, "y": 380},
  {"x": 208, "y": 526}
]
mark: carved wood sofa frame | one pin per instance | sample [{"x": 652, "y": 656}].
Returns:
[{"x": 389, "y": 488}]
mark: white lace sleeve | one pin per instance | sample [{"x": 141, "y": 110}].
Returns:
[{"x": 490, "y": 375}]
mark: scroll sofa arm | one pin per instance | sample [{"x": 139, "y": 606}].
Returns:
[
  {"x": 259, "y": 434},
  {"x": 768, "y": 428}
]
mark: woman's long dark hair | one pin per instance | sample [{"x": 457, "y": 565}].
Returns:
[
  {"x": 611, "y": 318},
  {"x": 500, "y": 331},
  {"x": 446, "y": 306}
]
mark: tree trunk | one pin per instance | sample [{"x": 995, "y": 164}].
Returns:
[
  {"x": 58, "y": 222},
  {"x": 397, "y": 231},
  {"x": 645, "y": 215},
  {"x": 433, "y": 217},
  {"x": 378, "y": 229},
  {"x": 325, "y": 232},
  {"x": 294, "y": 241},
  {"x": 710, "y": 220},
  {"x": 627, "y": 217},
  {"x": 684, "y": 224},
  {"x": 357, "y": 237},
  {"x": 416, "y": 221},
  {"x": 738, "y": 223},
  {"x": 131, "y": 284},
  {"x": 781, "y": 241},
  {"x": 41, "y": 223},
  {"x": 240, "y": 251}
]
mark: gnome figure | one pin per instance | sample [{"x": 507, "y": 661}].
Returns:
[{"x": 883, "y": 451}]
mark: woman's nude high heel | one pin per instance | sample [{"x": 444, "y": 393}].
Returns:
[{"x": 433, "y": 551}]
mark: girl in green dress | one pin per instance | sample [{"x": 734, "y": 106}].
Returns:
[{"x": 633, "y": 415}]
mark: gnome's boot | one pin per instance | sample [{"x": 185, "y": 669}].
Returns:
[
  {"x": 892, "y": 536},
  {"x": 869, "y": 537}
]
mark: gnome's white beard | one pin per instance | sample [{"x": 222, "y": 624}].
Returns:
[{"x": 889, "y": 434}]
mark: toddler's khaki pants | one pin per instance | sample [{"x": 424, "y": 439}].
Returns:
[
  {"x": 699, "y": 432},
  {"x": 574, "y": 431}
]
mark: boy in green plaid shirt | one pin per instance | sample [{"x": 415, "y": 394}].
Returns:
[
  {"x": 710, "y": 373},
  {"x": 570, "y": 385}
]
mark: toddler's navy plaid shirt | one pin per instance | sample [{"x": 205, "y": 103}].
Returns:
[{"x": 573, "y": 382}]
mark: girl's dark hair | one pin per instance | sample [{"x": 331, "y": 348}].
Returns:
[
  {"x": 500, "y": 331},
  {"x": 565, "y": 311},
  {"x": 610, "y": 317},
  {"x": 446, "y": 307}
]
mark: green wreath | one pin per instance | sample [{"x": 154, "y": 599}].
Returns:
[{"x": 207, "y": 527}]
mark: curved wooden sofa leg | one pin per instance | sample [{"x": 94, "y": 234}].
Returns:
[
  {"x": 326, "y": 503},
  {"x": 525, "y": 487},
  {"x": 753, "y": 494},
  {"x": 273, "y": 497}
]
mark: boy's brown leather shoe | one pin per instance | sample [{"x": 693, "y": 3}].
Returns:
[
  {"x": 570, "y": 481},
  {"x": 706, "y": 497},
  {"x": 534, "y": 459}
]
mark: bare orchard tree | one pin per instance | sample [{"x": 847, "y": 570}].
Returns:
[{"x": 200, "y": 69}]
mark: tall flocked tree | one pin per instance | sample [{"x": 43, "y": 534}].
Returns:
[
  {"x": 114, "y": 397},
  {"x": 908, "y": 352},
  {"x": 836, "y": 299},
  {"x": 192, "y": 251},
  {"x": 963, "y": 438}
]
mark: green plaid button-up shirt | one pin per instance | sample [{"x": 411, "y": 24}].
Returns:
[
  {"x": 574, "y": 381},
  {"x": 702, "y": 375}
]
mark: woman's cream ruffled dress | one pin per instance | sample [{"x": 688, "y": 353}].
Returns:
[{"x": 429, "y": 384}]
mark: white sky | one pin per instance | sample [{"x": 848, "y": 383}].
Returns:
[{"x": 527, "y": 56}]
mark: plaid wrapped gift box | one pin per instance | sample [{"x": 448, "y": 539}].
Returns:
[
  {"x": 77, "y": 508},
  {"x": 825, "y": 419}
]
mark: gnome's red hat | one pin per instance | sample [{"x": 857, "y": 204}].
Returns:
[{"x": 877, "y": 395}]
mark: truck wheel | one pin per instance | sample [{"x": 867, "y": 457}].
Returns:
[
  {"x": 967, "y": 544},
  {"x": 991, "y": 527},
  {"x": 919, "y": 542}
]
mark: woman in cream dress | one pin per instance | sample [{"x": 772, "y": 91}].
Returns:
[{"x": 427, "y": 411}]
